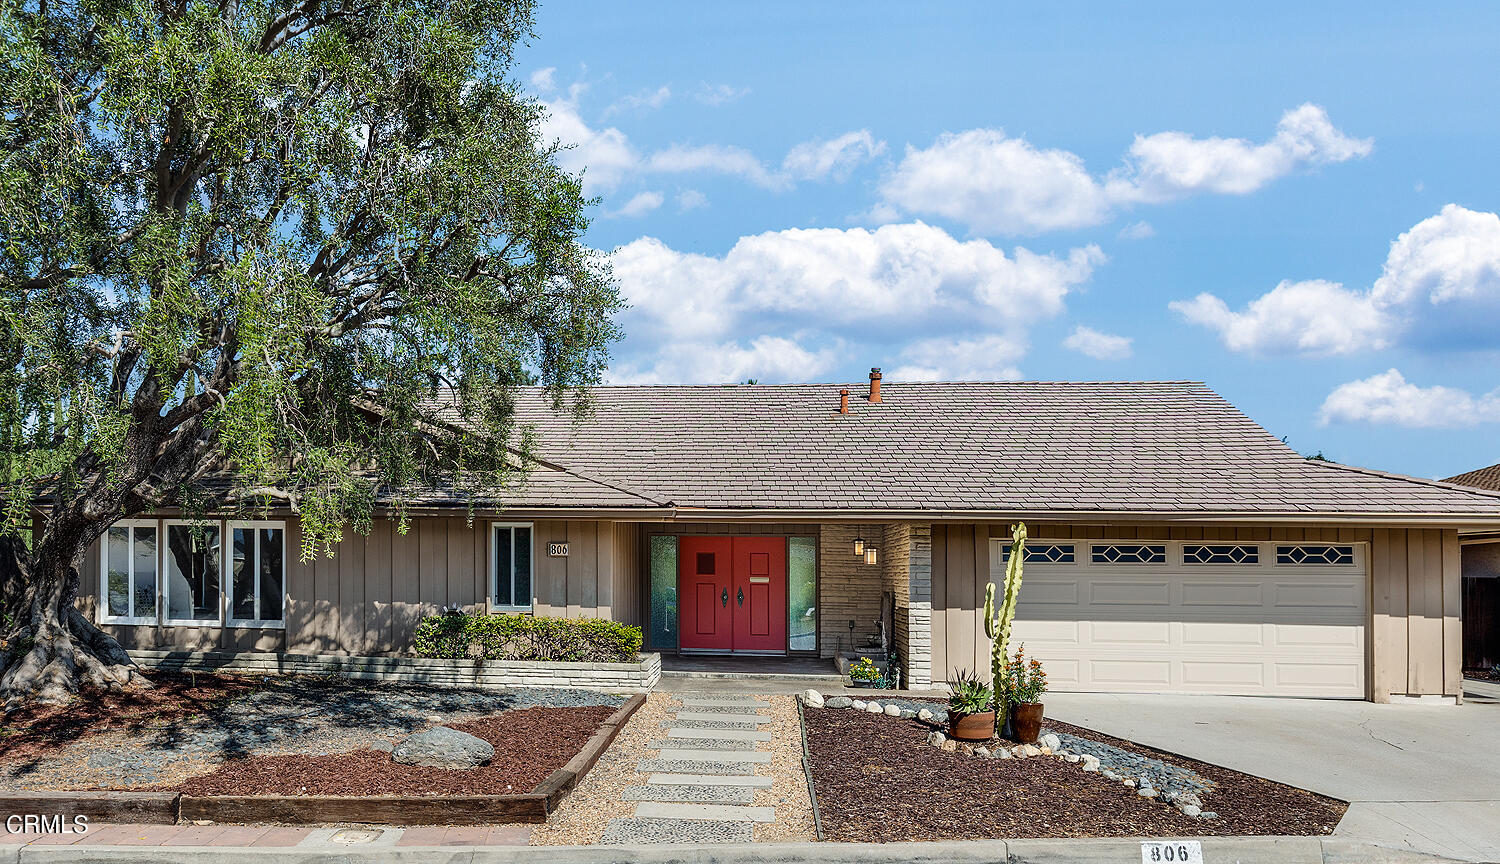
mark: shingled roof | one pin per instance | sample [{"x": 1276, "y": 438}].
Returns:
[
  {"x": 1032, "y": 448},
  {"x": 1481, "y": 478}
]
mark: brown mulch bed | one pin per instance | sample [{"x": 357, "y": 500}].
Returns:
[
  {"x": 529, "y": 745},
  {"x": 36, "y": 730},
  {"x": 878, "y": 780}
]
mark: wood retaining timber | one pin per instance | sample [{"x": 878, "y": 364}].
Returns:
[{"x": 150, "y": 808}]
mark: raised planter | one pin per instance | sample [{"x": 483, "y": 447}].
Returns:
[{"x": 637, "y": 677}]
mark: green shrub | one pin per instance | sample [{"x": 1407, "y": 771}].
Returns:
[{"x": 526, "y": 637}]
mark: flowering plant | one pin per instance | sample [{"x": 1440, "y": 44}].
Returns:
[
  {"x": 1023, "y": 681},
  {"x": 865, "y": 670}
]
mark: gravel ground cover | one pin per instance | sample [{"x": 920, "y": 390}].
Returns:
[
  {"x": 788, "y": 792},
  {"x": 285, "y": 716},
  {"x": 878, "y": 780},
  {"x": 529, "y": 743}
]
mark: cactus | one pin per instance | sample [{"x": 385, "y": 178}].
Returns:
[{"x": 997, "y": 627}]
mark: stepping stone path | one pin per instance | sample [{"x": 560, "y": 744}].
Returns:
[{"x": 701, "y": 786}]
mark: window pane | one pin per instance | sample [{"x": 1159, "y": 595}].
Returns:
[
  {"x": 145, "y": 574},
  {"x": 523, "y": 567},
  {"x": 271, "y": 572},
  {"x": 242, "y": 582},
  {"x": 119, "y": 571},
  {"x": 502, "y": 567},
  {"x": 802, "y": 590},
  {"x": 664, "y": 593},
  {"x": 192, "y": 575}
]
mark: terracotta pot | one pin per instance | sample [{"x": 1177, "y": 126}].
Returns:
[
  {"x": 972, "y": 727},
  {"x": 1027, "y": 720}
]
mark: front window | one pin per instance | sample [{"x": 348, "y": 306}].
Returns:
[
  {"x": 663, "y": 592},
  {"x": 191, "y": 567},
  {"x": 802, "y": 593},
  {"x": 510, "y": 566},
  {"x": 129, "y": 570},
  {"x": 257, "y": 574}
]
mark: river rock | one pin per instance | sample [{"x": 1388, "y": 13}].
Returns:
[
  {"x": 812, "y": 698},
  {"x": 441, "y": 747},
  {"x": 838, "y": 702},
  {"x": 893, "y": 710},
  {"x": 874, "y": 708}
]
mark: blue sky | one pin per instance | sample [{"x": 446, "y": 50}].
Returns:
[{"x": 1292, "y": 202}]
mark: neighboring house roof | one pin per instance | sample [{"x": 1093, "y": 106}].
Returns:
[
  {"x": 1009, "y": 448},
  {"x": 1482, "y": 478}
]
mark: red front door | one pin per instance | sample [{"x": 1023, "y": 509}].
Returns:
[
  {"x": 703, "y": 601},
  {"x": 732, "y": 593}
]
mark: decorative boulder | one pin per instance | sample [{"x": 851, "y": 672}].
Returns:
[
  {"x": 1051, "y": 741},
  {"x": 859, "y": 704},
  {"x": 893, "y": 710},
  {"x": 812, "y": 698},
  {"x": 839, "y": 702},
  {"x": 925, "y": 715},
  {"x": 936, "y": 739},
  {"x": 874, "y": 708},
  {"x": 441, "y": 747}
]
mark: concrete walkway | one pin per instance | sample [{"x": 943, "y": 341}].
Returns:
[
  {"x": 1424, "y": 778},
  {"x": 701, "y": 786}
]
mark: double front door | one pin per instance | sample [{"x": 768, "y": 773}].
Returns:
[{"x": 732, "y": 594}]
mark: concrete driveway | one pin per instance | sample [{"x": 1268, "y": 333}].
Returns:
[{"x": 1424, "y": 778}]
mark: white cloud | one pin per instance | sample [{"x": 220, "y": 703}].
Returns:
[
  {"x": 1313, "y": 317},
  {"x": 1170, "y": 165},
  {"x": 640, "y": 205},
  {"x": 714, "y": 159},
  {"x": 1137, "y": 231},
  {"x": 651, "y": 99},
  {"x": 545, "y": 80},
  {"x": 1439, "y": 288},
  {"x": 909, "y": 282},
  {"x": 1100, "y": 346},
  {"x": 1389, "y": 399},
  {"x": 605, "y": 157},
  {"x": 836, "y": 158},
  {"x": 767, "y": 358},
  {"x": 996, "y": 184},
  {"x": 985, "y": 358},
  {"x": 690, "y": 199},
  {"x": 719, "y": 94}
]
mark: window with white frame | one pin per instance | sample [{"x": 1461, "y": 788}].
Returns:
[
  {"x": 191, "y": 573},
  {"x": 128, "y": 571},
  {"x": 257, "y": 573},
  {"x": 510, "y": 566}
]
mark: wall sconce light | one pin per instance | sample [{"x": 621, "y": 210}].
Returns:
[
  {"x": 859, "y": 546},
  {"x": 872, "y": 555}
]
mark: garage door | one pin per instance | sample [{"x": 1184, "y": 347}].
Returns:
[{"x": 1230, "y": 618}]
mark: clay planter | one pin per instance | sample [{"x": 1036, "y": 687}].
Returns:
[
  {"x": 972, "y": 727},
  {"x": 1027, "y": 720}
]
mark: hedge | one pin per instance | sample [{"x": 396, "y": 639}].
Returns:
[{"x": 458, "y": 635}]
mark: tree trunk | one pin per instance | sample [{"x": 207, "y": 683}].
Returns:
[{"x": 50, "y": 650}]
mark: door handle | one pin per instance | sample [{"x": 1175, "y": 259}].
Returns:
[
  {"x": 741, "y": 597},
  {"x": 724, "y": 598}
]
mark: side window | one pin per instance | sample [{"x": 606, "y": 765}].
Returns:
[
  {"x": 129, "y": 573},
  {"x": 510, "y": 566},
  {"x": 190, "y": 567},
  {"x": 257, "y": 574}
]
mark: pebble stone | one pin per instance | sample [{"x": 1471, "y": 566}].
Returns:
[
  {"x": 631, "y": 829},
  {"x": 936, "y": 739},
  {"x": 1146, "y": 792},
  {"x": 692, "y": 794},
  {"x": 982, "y": 752},
  {"x": 702, "y": 744},
  {"x": 708, "y": 724},
  {"x": 694, "y": 766},
  {"x": 1190, "y": 810},
  {"x": 1001, "y": 753},
  {"x": 1207, "y": 814},
  {"x": 1072, "y": 758},
  {"x": 949, "y": 746}
]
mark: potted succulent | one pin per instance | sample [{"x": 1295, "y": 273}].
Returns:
[
  {"x": 1022, "y": 684},
  {"x": 971, "y": 709},
  {"x": 865, "y": 673}
]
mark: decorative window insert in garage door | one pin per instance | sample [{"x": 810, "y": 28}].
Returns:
[{"x": 1241, "y": 618}]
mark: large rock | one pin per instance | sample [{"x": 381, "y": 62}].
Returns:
[
  {"x": 441, "y": 747},
  {"x": 839, "y": 702},
  {"x": 1050, "y": 741},
  {"x": 812, "y": 698}
]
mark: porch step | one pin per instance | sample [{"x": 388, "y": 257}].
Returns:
[
  {"x": 710, "y": 725},
  {"x": 726, "y": 756},
  {"x": 627, "y": 830},
  {"x": 701, "y": 743},
  {"x": 694, "y": 766},
  {"x": 695, "y": 732},
  {"x": 708, "y": 780},
  {"x": 722, "y": 718},
  {"x": 692, "y": 794},
  {"x": 714, "y": 812}
]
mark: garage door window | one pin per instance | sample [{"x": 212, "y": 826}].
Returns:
[
  {"x": 1337, "y": 556},
  {"x": 1220, "y": 554},
  {"x": 1130, "y": 553},
  {"x": 1046, "y": 553}
]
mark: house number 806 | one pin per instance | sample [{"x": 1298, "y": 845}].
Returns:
[{"x": 1173, "y": 852}]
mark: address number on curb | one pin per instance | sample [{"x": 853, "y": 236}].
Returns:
[{"x": 1171, "y": 852}]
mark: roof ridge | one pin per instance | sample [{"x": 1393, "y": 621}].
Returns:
[{"x": 1420, "y": 481}]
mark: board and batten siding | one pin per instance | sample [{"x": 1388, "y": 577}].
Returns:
[
  {"x": 369, "y": 596},
  {"x": 1415, "y": 638}
]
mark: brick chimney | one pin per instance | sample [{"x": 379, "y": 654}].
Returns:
[
  {"x": 844, "y": 401},
  {"x": 875, "y": 384}
]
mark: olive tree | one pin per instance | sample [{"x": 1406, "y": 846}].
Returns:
[{"x": 244, "y": 244}]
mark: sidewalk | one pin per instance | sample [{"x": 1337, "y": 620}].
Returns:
[{"x": 150, "y": 846}]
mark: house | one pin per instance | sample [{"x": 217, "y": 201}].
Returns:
[
  {"x": 1480, "y": 554},
  {"x": 1176, "y": 546}
]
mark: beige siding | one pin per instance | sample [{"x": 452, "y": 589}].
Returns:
[{"x": 629, "y": 577}]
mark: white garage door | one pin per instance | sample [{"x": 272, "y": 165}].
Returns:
[{"x": 1284, "y": 619}]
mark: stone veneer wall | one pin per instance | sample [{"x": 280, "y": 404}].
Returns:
[
  {"x": 848, "y": 588},
  {"x": 917, "y": 646},
  {"x": 895, "y": 552}
]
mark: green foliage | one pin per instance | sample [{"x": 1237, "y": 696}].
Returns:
[
  {"x": 971, "y": 695},
  {"x": 1023, "y": 681},
  {"x": 257, "y": 246},
  {"x": 997, "y": 626},
  {"x": 526, "y": 637},
  {"x": 865, "y": 670}
]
